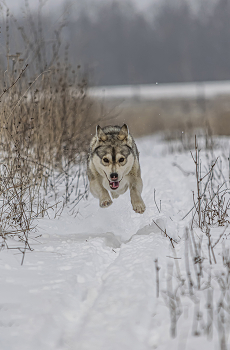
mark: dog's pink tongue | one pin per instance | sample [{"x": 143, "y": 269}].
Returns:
[{"x": 114, "y": 184}]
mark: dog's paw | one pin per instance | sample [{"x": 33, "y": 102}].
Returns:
[
  {"x": 139, "y": 207},
  {"x": 105, "y": 203}
]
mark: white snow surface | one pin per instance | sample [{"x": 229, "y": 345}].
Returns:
[
  {"x": 90, "y": 283},
  {"x": 157, "y": 91}
]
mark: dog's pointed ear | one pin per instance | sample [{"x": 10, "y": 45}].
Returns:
[
  {"x": 100, "y": 134},
  {"x": 124, "y": 133}
]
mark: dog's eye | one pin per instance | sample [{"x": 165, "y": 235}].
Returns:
[
  {"x": 106, "y": 160},
  {"x": 121, "y": 160}
]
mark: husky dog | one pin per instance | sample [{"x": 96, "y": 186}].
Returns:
[{"x": 113, "y": 166}]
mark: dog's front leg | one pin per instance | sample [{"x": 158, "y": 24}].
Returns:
[
  {"x": 135, "y": 194},
  {"x": 98, "y": 191}
]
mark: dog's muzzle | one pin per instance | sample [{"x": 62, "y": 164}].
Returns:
[{"x": 114, "y": 184}]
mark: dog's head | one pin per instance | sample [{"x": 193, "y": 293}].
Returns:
[{"x": 113, "y": 156}]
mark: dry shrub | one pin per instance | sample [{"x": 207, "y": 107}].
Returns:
[
  {"x": 45, "y": 129},
  {"x": 46, "y": 121},
  {"x": 49, "y": 121},
  {"x": 198, "y": 275}
]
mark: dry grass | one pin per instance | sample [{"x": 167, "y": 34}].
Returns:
[
  {"x": 198, "y": 276},
  {"x": 45, "y": 128},
  {"x": 39, "y": 136},
  {"x": 49, "y": 121},
  {"x": 46, "y": 122},
  {"x": 172, "y": 116}
]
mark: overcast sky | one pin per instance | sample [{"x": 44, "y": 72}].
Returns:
[{"x": 17, "y": 5}]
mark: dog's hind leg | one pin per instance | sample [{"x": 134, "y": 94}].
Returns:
[{"x": 114, "y": 195}]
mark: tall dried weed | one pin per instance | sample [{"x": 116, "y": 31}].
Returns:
[{"x": 46, "y": 120}]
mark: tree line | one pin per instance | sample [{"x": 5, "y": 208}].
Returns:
[
  {"x": 121, "y": 46},
  {"x": 117, "y": 44}
]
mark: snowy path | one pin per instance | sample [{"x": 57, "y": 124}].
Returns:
[
  {"x": 125, "y": 304},
  {"x": 91, "y": 281}
]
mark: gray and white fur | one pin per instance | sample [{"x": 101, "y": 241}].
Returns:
[{"x": 113, "y": 166}]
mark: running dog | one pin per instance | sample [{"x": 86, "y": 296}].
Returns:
[{"x": 113, "y": 166}]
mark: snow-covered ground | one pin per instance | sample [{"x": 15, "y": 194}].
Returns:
[
  {"x": 158, "y": 91},
  {"x": 90, "y": 283}
]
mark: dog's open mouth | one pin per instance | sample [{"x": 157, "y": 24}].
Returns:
[{"x": 114, "y": 184}]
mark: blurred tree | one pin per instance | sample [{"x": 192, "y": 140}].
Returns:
[{"x": 119, "y": 45}]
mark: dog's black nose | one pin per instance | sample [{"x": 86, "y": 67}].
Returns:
[{"x": 114, "y": 176}]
